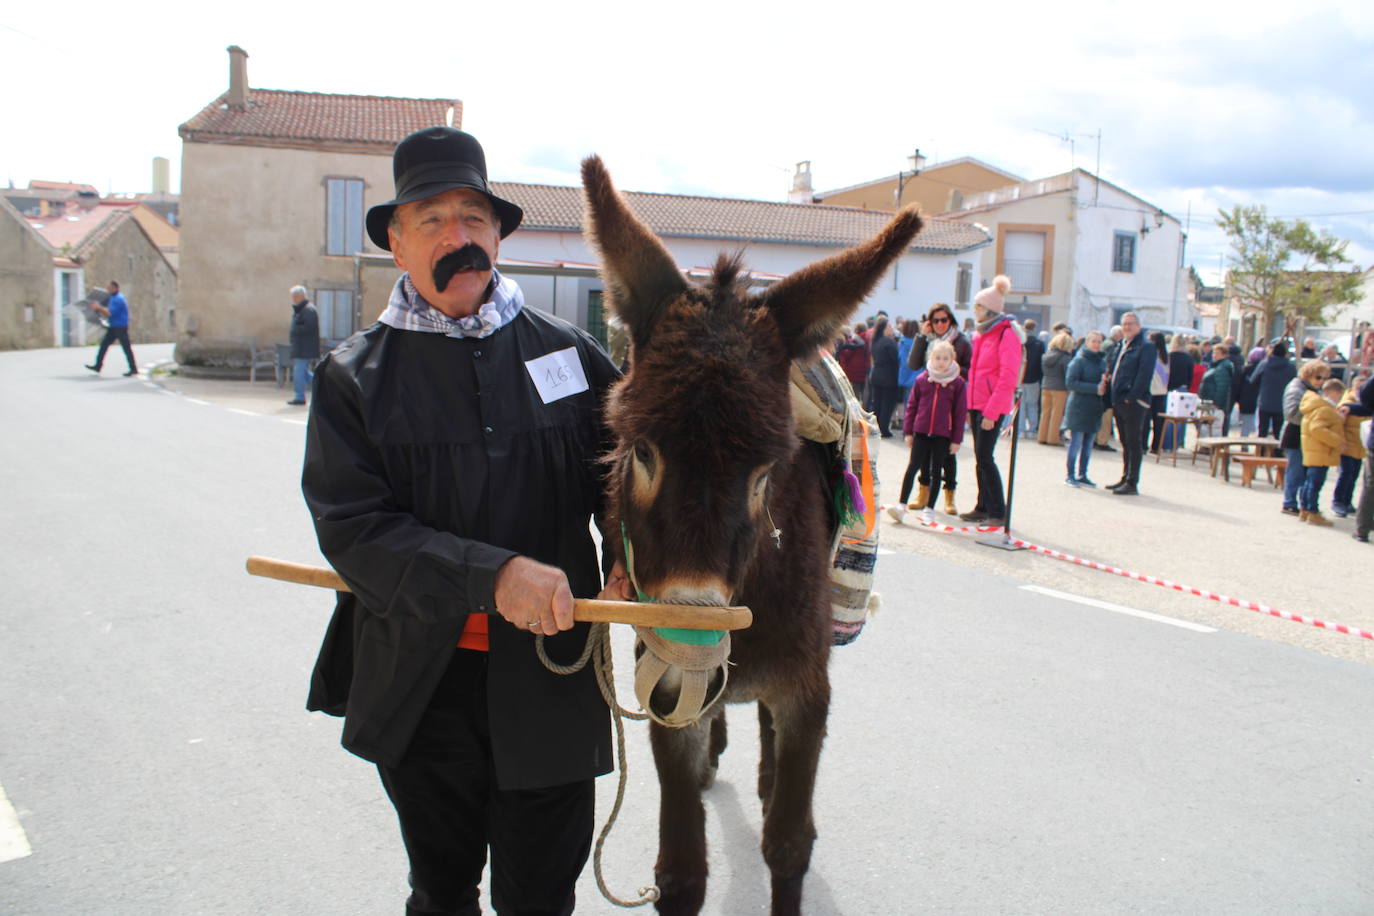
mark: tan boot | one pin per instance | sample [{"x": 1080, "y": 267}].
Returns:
[
  {"x": 949, "y": 503},
  {"x": 922, "y": 495},
  {"x": 1321, "y": 521},
  {"x": 1302, "y": 515}
]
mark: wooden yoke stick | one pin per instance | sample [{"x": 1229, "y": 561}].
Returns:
[{"x": 585, "y": 610}]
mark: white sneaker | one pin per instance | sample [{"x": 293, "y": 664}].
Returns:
[
  {"x": 897, "y": 512},
  {"x": 928, "y": 516}
]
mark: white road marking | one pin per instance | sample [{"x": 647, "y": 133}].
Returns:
[
  {"x": 1119, "y": 609},
  {"x": 196, "y": 401},
  {"x": 13, "y": 842},
  {"x": 246, "y": 413},
  {"x": 297, "y": 422}
]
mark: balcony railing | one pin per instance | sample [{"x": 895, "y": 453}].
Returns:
[{"x": 1025, "y": 276}]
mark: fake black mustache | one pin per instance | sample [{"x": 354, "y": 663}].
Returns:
[{"x": 470, "y": 256}]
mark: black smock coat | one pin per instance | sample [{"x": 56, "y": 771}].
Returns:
[{"x": 429, "y": 462}]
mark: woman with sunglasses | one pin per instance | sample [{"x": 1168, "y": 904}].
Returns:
[{"x": 940, "y": 324}]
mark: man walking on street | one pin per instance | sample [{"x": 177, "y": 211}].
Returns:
[
  {"x": 117, "y": 310},
  {"x": 305, "y": 342},
  {"x": 1131, "y": 372},
  {"x": 452, "y": 468}
]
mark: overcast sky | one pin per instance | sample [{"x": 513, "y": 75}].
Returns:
[{"x": 1200, "y": 105}]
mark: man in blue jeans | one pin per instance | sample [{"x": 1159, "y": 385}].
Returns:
[
  {"x": 117, "y": 310},
  {"x": 305, "y": 342}
]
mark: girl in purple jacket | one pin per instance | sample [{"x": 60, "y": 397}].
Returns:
[{"x": 934, "y": 425}]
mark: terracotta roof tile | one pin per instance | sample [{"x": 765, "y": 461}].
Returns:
[
  {"x": 275, "y": 114},
  {"x": 680, "y": 216},
  {"x": 71, "y": 230}
]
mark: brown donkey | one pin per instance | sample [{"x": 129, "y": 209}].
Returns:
[{"x": 707, "y": 461}]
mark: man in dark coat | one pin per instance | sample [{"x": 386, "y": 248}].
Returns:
[
  {"x": 1272, "y": 376},
  {"x": 305, "y": 342},
  {"x": 1131, "y": 372},
  {"x": 1031, "y": 379},
  {"x": 451, "y": 469}
]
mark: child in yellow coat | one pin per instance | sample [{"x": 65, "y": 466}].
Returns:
[
  {"x": 1323, "y": 440},
  {"x": 1352, "y": 456}
]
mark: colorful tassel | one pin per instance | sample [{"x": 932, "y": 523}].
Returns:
[{"x": 848, "y": 497}]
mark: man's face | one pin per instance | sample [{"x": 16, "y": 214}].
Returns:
[
  {"x": 1130, "y": 326},
  {"x": 297, "y": 298},
  {"x": 429, "y": 229},
  {"x": 112, "y": 288}
]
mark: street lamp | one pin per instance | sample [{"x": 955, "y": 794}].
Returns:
[{"x": 917, "y": 162}]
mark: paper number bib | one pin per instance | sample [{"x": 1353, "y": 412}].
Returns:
[{"x": 557, "y": 375}]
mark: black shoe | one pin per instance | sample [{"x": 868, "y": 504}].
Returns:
[
  {"x": 296, "y": 403},
  {"x": 1116, "y": 486},
  {"x": 1362, "y": 536},
  {"x": 1127, "y": 490},
  {"x": 131, "y": 372},
  {"x": 976, "y": 515},
  {"x": 1287, "y": 511},
  {"x": 95, "y": 369},
  {"x": 1102, "y": 448}
]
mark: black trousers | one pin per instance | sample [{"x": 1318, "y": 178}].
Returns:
[
  {"x": 950, "y": 479},
  {"x": 451, "y": 811},
  {"x": 1156, "y": 421},
  {"x": 111, "y": 335},
  {"x": 1270, "y": 422},
  {"x": 884, "y": 402},
  {"x": 1132, "y": 421},
  {"x": 928, "y": 455},
  {"x": 991, "y": 496}
]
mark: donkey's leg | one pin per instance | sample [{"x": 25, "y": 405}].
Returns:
[
  {"x": 681, "y": 755},
  {"x": 788, "y": 828},
  {"x": 767, "y": 760},
  {"x": 718, "y": 742}
]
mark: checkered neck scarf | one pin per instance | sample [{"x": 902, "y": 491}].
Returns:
[{"x": 407, "y": 310}]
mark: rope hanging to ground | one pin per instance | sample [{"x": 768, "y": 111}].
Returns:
[{"x": 598, "y": 647}]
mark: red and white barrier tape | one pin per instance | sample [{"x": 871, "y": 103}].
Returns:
[
  {"x": 1200, "y": 592},
  {"x": 1155, "y": 580},
  {"x": 948, "y": 529}
]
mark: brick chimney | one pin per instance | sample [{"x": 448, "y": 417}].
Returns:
[{"x": 238, "y": 78}]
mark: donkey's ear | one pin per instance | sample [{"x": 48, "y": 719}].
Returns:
[
  {"x": 640, "y": 275},
  {"x": 810, "y": 305}
]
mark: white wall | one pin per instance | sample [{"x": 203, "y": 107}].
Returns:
[
  {"x": 1154, "y": 289},
  {"x": 920, "y": 279}
]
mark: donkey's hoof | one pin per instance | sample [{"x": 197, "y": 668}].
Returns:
[
  {"x": 787, "y": 894},
  {"x": 680, "y": 895},
  {"x": 707, "y": 778}
]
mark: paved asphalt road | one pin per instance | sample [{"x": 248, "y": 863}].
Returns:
[{"x": 992, "y": 749}]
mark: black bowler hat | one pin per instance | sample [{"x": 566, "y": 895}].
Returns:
[{"x": 432, "y": 161}]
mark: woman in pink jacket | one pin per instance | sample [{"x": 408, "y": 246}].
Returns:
[{"x": 993, "y": 375}]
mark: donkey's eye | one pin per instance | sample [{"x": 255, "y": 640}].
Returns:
[{"x": 645, "y": 456}]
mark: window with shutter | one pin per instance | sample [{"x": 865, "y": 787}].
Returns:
[{"x": 343, "y": 216}]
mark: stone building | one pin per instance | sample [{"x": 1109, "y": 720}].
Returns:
[{"x": 274, "y": 185}]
